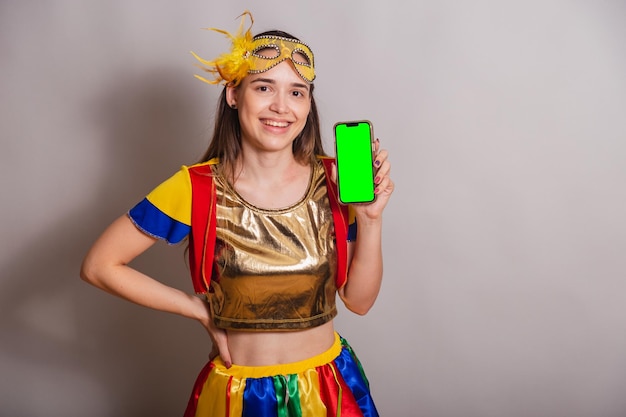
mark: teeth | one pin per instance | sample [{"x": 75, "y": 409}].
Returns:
[{"x": 276, "y": 124}]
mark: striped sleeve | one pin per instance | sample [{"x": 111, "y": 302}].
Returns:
[{"x": 165, "y": 213}]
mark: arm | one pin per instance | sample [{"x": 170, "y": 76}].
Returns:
[
  {"x": 365, "y": 258},
  {"x": 106, "y": 267}
]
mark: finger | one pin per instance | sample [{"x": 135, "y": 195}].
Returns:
[
  {"x": 382, "y": 185},
  {"x": 383, "y": 169},
  {"x": 222, "y": 346},
  {"x": 383, "y": 180},
  {"x": 381, "y": 157},
  {"x": 386, "y": 187},
  {"x": 219, "y": 339},
  {"x": 214, "y": 351}
]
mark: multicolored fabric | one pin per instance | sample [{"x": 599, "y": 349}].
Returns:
[
  {"x": 330, "y": 384},
  {"x": 165, "y": 213}
]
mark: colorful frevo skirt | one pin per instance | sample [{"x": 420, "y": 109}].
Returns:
[{"x": 330, "y": 384}]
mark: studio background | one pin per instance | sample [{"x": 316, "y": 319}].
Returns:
[{"x": 505, "y": 270}]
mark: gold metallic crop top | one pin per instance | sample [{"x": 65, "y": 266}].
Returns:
[{"x": 274, "y": 269}]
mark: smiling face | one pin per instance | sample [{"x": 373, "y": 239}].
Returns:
[{"x": 273, "y": 107}]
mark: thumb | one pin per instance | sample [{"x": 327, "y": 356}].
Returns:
[{"x": 221, "y": 341}]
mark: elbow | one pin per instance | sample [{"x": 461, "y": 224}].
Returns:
[
  {"x": 360, "y": 309},
  {"x": 358, "y": 304},
  {"x": 86, "y": 273},
  {"x": 89, "y": 272}
]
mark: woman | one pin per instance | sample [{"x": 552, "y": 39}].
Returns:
[{"x": 273, "y": 268}]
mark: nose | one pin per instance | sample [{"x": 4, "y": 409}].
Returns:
[{"x": 279, "y": 104}]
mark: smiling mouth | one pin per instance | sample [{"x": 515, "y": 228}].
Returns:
[{"x": 274, "y": 123}]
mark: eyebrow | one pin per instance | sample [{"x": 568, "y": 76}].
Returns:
[{"x": 271, "y": 81}]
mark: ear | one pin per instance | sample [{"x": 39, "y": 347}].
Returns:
[{"x": 231, "y": 96}]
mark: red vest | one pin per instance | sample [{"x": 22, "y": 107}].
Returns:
[{"x": 203, "y": 226}]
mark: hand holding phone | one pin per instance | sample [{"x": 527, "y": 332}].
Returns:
[{"x": 354, "y": 150}]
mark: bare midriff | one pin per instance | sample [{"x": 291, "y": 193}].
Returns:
[{"x": 275, "y": 348}]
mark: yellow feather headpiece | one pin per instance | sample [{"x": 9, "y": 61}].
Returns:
[{"x": 244, "y": 59}]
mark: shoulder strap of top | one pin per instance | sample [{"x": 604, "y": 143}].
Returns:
[
  {"x": 340, "y": 219},
  {"x": 204, "y": 225}
]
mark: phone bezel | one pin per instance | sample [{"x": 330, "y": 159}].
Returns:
[{"x": 352, "y": 123}]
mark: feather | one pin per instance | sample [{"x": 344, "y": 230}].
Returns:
[{"x": 233, "y": 66}]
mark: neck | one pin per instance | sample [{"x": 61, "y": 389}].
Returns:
[
  {"x": 271, "y": 182},
  {"x": 267, "y": 167}
]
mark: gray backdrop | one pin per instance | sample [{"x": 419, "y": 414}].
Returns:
[{"x": 504, "y": 291}]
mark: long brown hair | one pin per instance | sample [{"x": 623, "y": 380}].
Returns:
[{"x": 226, "y": 140}]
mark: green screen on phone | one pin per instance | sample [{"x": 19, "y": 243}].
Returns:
[{"x": 353, "y": 146}]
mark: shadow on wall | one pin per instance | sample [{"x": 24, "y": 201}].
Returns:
[{"x": 80, "y": 350}]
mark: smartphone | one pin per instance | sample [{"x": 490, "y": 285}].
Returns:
[{"x": 354, "y": 150}]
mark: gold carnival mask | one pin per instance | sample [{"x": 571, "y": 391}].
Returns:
[{"x": 252, "y": 56}]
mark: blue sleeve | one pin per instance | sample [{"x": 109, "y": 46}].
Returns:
[
  {"x": 153, "y": 222},
  {"x": 165, "y": 213}
]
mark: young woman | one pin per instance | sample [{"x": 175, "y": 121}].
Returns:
[{"x": 270, "y": 246}]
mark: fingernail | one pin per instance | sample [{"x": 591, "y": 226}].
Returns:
[
  {"x": 377, "y": 163},
  {"x": 376, "y": 190},
  {"x": 376, "y": 180},
  {"x": 228, "y": 365}
]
